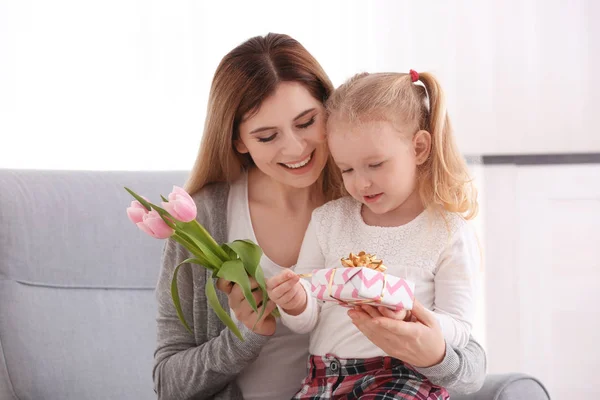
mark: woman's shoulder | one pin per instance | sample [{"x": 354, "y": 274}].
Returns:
[
  {"x": 211, "y": 195},
  {"x": 211, "y": 205}
]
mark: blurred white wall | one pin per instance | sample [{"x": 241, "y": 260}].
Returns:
[
  {"x": 123, "y": 84},
  {"x": 542, "y": 273}
]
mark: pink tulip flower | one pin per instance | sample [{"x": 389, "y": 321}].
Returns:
[
  {"x": 154, "y": 225},
  {"x": 136, "y": 212},
  {"x": 180, "y": 205}
]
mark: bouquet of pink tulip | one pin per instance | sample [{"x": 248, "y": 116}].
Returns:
[{"x": 235, "y": 261}]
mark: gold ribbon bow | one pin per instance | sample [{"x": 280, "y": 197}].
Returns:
[{"x": 363, "y": 259}]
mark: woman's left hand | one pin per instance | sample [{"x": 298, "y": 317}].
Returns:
[{"x": 418, "y": 341}]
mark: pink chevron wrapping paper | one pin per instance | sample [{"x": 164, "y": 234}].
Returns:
[{"x": 361, "y": 285}]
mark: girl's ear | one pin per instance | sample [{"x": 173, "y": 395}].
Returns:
[{"x": 422, "y": 146}]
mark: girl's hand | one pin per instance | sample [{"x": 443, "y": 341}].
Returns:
[
  {"x": 417, "y": 340},
  {"x": 287, "y": 292},
  {"x": 402, "y": 315},
  {"x": 242, "y": 310}
]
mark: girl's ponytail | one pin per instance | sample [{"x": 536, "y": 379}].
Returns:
[{"x": 445, "y": 179}]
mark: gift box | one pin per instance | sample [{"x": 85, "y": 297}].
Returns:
[{"x": 369, "y": 284}]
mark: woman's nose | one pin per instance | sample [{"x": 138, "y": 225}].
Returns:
[{"x": 294, "y": 145}]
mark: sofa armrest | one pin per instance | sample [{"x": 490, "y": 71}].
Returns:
[{"x": 508, "y": 387}]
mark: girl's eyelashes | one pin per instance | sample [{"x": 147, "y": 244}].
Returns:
[
  {"x": 373, "y": 166},
  {"x": 267, "y": 139}
]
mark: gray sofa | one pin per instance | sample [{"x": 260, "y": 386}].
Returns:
[{"x": 76, "y": 289}]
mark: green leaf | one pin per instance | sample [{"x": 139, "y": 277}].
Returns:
[
  {"x": 260, "y": 279},
  {"x": 212, "y": 259},
  {"x": 163, "y": 198},
  {"x": 175, "y": 295},
  {"x": 202, "y": 234},
  {"x": 199, "y": 261},
  {"x": 213, "y": 301},
  {"x": 195, "y": 235},
  {"x": 234, "y": 271},
  {"x": 140, "y": 199},
  {"x": 209, "y": 261},
  {"x": 192, "y": 248},
  {"x": 250, "y": 254},
  {"x": 230, "y": 253},
  {"x": 175, "y": 290}
]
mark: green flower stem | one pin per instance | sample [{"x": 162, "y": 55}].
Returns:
[{"x": 209, "y": 240}]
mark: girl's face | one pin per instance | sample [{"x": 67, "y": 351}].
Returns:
[
  {"x": 286, "y": 137},
  {"x": 379, "y": 164}
]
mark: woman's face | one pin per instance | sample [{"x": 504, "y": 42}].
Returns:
[{"x": 286, "y": 137}]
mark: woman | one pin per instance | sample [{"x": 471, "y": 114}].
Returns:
[{"x": 263, "y": 167}]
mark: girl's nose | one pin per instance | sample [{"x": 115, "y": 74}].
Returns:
[{"x": 363, "y": 182}]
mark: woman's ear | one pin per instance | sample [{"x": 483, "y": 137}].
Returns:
[
  {"x": 240, "y": 146},
  {"x": 422, "y": 146}
]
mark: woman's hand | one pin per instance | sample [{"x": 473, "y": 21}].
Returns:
[
  {"x": 417, "y": 341},
  {"x": 287, "y": 292},
  {"x": 242, "y": 310}
]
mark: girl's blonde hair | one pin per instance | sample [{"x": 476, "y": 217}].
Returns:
[
  {"x": 444, "y": 180},
  {"x": 245, "y": 77}
]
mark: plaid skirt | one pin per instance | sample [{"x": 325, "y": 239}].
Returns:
[{"x": 378, "y": 378}]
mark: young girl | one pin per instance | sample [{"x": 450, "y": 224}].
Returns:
[{"x": 410, "y": 197}]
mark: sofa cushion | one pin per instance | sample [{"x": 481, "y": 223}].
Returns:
[
  {"x": 76, "y": 284},
  {"x": 70, "y": 228},
  {"x": 512, "y": 386}
]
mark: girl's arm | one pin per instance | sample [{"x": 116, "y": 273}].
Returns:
[
  {"x": 311, "y": 257},
  {"x": 456, "y": 286}
]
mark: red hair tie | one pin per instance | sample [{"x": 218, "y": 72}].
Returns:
[{"x": 414, "y": 75}]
